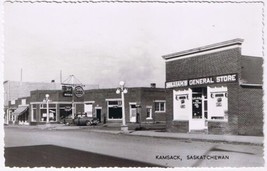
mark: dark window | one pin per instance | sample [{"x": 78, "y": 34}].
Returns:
[
  {"x": 115, "y": 112},
  {"x": 113, "y": 103},
  {"x": 217, "y": 117},
  {"x": 218, "y": 95}
]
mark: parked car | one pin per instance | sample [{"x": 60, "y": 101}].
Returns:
[{"x": 83, "y": 120}]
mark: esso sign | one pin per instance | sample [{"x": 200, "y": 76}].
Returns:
[{"x": 78, "y": 91}]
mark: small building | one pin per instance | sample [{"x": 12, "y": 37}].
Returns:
[
  {"x": 214, "y": 89},
  {"x": 142, "y": 104},
  {"x": 18, "y": 111}
]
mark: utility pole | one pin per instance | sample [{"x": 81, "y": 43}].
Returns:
[{"x": 72, "y": 101}]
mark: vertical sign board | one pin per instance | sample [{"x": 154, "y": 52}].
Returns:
[{"x": 67, "y": 91}]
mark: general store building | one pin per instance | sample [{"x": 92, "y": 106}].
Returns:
[{"x": 214, "y": 89}]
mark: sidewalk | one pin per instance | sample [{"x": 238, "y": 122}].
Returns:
[
  {"x": 255, "y": 140},
  {"x": 202, "y": 137}
]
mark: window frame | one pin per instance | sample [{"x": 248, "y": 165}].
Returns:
[{"x": 159, "y": 106}]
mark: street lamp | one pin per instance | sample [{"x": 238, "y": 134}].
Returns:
[
  {"x": 47, "y": 108},
  {"x": 122, "y": 90}
]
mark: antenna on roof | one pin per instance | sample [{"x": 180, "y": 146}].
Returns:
[
  {"x": 21, "y": 76},
  {"x": 60, "y": 76},
  {"x": 72, "y": 81}
]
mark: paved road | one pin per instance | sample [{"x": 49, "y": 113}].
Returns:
[
  {"x": 159, "y": 151},
  {"x": 55, "y": 156}
]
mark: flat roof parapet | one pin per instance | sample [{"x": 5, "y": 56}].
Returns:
[{"x": 211, "y": 48}]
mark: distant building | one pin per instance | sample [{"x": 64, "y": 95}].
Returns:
[
  {"x": 16, "y": 89},
  {"x": 214, "y": 89}
]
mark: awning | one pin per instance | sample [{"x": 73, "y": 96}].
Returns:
[{"x": 20, "y": 110}]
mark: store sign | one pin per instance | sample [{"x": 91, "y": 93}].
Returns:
[
  {"x": 203, "y": 81},
  {"x": 78, "y": 91},
  {"x": 67, "y": 108},
  {"x": 50, "y": 115},
  {"x": 67, "y": 91}
]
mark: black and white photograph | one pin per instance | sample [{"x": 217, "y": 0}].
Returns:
[{"x": 132, "y": 84}]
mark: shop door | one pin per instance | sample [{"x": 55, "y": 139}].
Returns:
[
  {"x": 98, "y": 114},
  {"x": 197, "y": 119},
  {"x": 133, "y": 113}
]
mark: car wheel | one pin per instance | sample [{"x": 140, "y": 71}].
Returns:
[{"x": 88, "y": 123}]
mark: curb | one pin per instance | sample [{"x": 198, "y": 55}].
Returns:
[
  {"x": 132, "y": 133},
  {"x": 189, "y": 140}
]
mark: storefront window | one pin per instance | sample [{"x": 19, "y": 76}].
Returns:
[
  {"x": 51, "y": 115},
  {"x": 115, "y": 112},
  {"x": 114, "y": 109},
  {"x": 65, "y": 111}
]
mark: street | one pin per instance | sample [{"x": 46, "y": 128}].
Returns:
[{"x": 83, "y": 146}]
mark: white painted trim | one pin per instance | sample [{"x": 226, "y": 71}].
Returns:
[
  {"x": 98, "y": 107},
  {"x": 160, "y": 101},
  {"x": 201, "y": 53},
  {"x": 217, "y": 120},
  {"x": 210, "y": 47},
  {"x": 90, "y": 102},
  {"x": 116, "y": 99},
  {"x": 160, "y": 111},
  {"x": 180, "y": 120},
  {"x": 132, "y": 103},
  {"x": 51, "y": 102},
  {"x": 114, "y": 119},
  {"x": 255, "y": 85}
]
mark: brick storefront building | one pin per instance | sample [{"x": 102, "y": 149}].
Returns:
[
  {"x": 214, "y": 89},
  {"x": 142, "y": 104}
]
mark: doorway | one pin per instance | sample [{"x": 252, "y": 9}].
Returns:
[
  {"x": 199, "y": 109},
  {"x": 133, "y": 112},
  {"x": 98, "y": 114}
]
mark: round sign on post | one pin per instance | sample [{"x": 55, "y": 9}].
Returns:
[{"x": 78, "y": 91}]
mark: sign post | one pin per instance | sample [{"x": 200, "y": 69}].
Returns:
[{"x": 71, "y": 89}]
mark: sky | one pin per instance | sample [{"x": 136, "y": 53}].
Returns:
[{"x": 104, "y": 43}]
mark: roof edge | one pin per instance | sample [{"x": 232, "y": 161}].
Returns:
[{"x": 237, "y": 41}]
